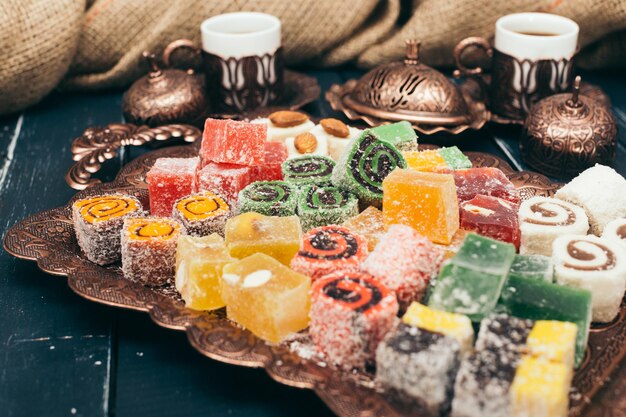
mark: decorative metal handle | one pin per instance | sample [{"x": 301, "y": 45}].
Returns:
[
  {"x": 99, "y": 144},
  {"x": 474, "y": 41},
  {"x": 175, "y": 45}
]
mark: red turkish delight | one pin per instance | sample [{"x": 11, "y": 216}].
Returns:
[
  {"x": 492, "y": 217},
  {"x": 168, "y": 180},
  {"x": 226, "y": 180},
  {"x": 486, "y": 181},
  {"x": 271, "y": 169},
  {"x": 233, "y": 142}
]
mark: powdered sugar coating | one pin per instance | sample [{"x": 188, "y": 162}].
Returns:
[
  {"x": 351, "y": 312},
  {"x": 492, "y": 217},
  {"x": 271, "y": 168},
  {"x": 405, "y": 262},
  {"x": 484, "y": 181},
  {"x": 233, "y": 142},
  {"x": 168, "y": 180},
  {"x": 224, "y": 179}
]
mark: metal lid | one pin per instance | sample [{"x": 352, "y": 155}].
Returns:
[
  {"x": 566, "y": 133},
  {"x": 409, "y": 90}
]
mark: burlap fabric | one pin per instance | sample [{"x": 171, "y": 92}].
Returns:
[{"x": 98, "y": 44}]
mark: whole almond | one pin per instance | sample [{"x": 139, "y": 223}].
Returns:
[
  {"x": 305, "y": 143},
  {"x": 335, "y": 127},
  {"x": 287, "y": 118}
]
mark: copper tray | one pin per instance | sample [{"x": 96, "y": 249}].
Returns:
[{"x": 48, "y": 238}]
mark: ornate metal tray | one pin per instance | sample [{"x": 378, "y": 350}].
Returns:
[{"x": 48, "y": 238}]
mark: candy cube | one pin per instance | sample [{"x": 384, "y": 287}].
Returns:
[
  {"x": 540, "y": 300},
  {"x": 454, "y": 246},
  {"x": 350, "y": 314},
  {"x": 416, "y": 367},
  {"x": 327, "y": 249},
  {"x": 266, "y": 297},
  {"x": 594, "y": 264},
  {"x": 437, "y": 159},
  {"x": 543, "y": 219},
  {"x": 225, "y": 180},
  {"x": 324, "y": 205},
  {"x": 369, "y": 224},
  {"x": 233, "y": 142},
  {"x": 202, "y": 213},
  {"x": 308, "y": 170},
  {"x": 471, "y": 282},
  {"x": 492, "y": 217},
  {"x": 484, "y": 181},
  {"x": 285, "y": 124},
  {"x": 168, "y": 180},
  {"x": 149, "y": 250},
  {"x": 365, "y": 165},
  {"x": 337, "y": 134},
  {"x": 456, "y": 326},
  {"x": 272, "y": 198},
  {"x": 98, "y": 221},
  {"x": 395, "y": 133},
  {"x": 199, "y": 263},
  {"x": 423, "y": 200},
  {"x": 532, "y": 266},
  {"x": 271, "y": 169},
  {"x": 250, "y": 233},
  {"x": 405, "y": 262},
  {"x": 306, "y": 144},
  {"x": 553, "y": 341},
  {"x": 540, "y": 389},
  {"x": 601, "y": 191}
]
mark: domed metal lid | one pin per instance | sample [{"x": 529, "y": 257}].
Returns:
[
  {"x": 567, "y": 133},
  {"x": 409, "y": 90}
]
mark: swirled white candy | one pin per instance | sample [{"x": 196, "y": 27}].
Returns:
[
  {"x": 536, "y": 239},
  {"x": 606, "y": 286},
  {"x": 611, "y": 232}
]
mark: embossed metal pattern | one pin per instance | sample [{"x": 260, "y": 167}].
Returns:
[{"x": 48, "y": 238}]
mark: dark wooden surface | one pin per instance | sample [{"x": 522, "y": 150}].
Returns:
[{"x": 61, "y": 355}]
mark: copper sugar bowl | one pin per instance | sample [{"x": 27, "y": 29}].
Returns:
[
  {"x": 166, "y": 96},
  {"x": 566, "y": 133},
  {"x": 409, "y": 90}
]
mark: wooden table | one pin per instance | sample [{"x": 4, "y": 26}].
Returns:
[{"x": 61, "y": 355}]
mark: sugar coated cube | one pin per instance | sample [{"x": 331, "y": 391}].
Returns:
[
  {"x": 272, "y": 198},
  {"x": 327, "y": 249},
  {"x": 424, "y": 201},
  {"x": 492, "y": 217},
  {"x": 233, "y": 142},
  {"x": 533, "y": 266},
  {"x": 594, "y": 264},
  {"x": 199, "y": 263},
  {"x": 98, "y": 221},
  {"x": 396, "y": 133},
  {"x": 601, "y": 191},
  {"x": 320, "y": 205},
  {"x": 365, "y": 165},
  {"x": 369, "y": 224},
  {"x": 266, "y": 297},
  {"x": 437, "y": 159},
  {"x": 202, "y": 214},
  {"x": 285, "y": 124},
  {"x": 484, "y": 181},
  {"x": 417, "y": 367},
  {"x": 308, "y": 170},
  {"x": 543, "y": 219},
  {"x": 168, "y": 180},
  {"x": 149, "y": 249},
  {"x": 225, "y": 180},
  {"x": 470, "y": 282},
  {"x": 456, "y": 326},
  {"x": 272, "y": 167},
  {"x": 405, "y": 262},
  {"x": 250, "y": 233},
  {"x": 351, "y": 312},
  {"x": 540, "y": 388}
]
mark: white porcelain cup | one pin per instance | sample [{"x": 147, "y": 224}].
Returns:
[
  {"x": 532, "y": 58},
  {"x": 241, "y": 60}
]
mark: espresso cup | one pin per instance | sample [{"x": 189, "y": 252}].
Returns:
[
  {"x": 532, "y": 58},
  {"x": 241, "y": 60}
]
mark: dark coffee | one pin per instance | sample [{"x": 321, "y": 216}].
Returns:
[{"x": 538, "y": 33}]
